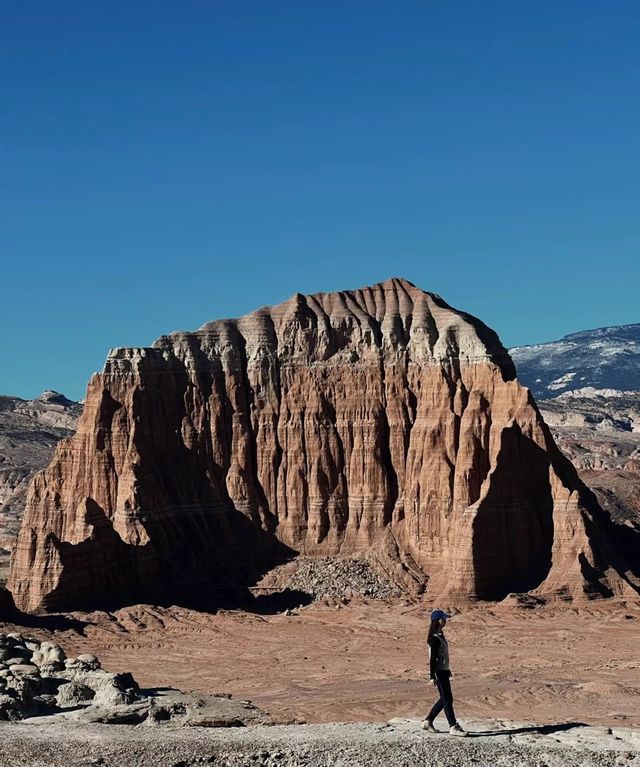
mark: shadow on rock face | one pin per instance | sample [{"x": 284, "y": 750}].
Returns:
[
  {"x": 510, "y": 553},
  {"x": 204, "y": 559},
  {"x": 7, "y": 606},
  {"x": 289, "y": 599},
  {"x": 10, "y": 614},
  {"x": 46, "y": 622},
  {"x": 206, "y": 599}
]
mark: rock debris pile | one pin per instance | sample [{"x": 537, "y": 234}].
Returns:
[{"x": 336, "y": 578}]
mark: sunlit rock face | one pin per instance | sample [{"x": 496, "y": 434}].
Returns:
[{"x": 376, "y": 419}]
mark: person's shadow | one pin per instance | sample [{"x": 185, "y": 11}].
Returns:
[{"x": 536, "y": 729}]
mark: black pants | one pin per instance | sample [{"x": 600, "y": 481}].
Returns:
[{"x": 446, "y": 698}]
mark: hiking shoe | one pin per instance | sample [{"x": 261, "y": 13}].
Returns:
[
  {"x": 457, "y": 730},
  {"x": 428, "y": 726}
]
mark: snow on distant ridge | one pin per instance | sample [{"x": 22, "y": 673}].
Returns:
[
  {"x": 562, "y": 382},
  {"x": 604, "y": 358},
  {"x": 590, "y": 391}
]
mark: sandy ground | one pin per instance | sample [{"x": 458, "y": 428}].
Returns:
[
  {"x": 367, "y": 661},
  {"x": 398, "y": 743}
]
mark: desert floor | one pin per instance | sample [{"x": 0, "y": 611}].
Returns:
[{"x": 366, "y": 661}]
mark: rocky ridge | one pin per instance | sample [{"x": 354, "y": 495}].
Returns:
[
  {"x": 599, "y": 430},
  {"x": 29, "y": 433},
  {"x": 377, "y": 420},
  {"x": 605, "y": 411}
]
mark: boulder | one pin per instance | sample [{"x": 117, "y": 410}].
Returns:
[
  {"x": 89, "y": 661},
  {"x": 73, "y": 694},
  {"x": 24, "y": 669},
  {"x": 134, "y": 713},
  {"x": 49, "y": 656},
  {"x": 9, "y": 708},
  {"x": 15, "y": 660}
]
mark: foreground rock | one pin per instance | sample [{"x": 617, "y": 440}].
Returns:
[
  {"x": 399, "y": 743},
  {"x": 38, "y": 680},
  {"x": 378, "y": 419}
]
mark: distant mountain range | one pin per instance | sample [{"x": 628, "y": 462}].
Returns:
[{"x": 604, "y": 358}]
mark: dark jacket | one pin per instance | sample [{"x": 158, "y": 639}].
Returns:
[{"x": 438, "y": 655}]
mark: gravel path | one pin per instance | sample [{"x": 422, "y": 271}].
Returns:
[{"x": 399, "y": 743}]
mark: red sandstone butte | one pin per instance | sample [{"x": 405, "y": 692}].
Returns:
[{"x": 375, "y": 419}]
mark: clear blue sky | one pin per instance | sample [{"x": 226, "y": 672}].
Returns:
[{"x": 166, "y": 163}]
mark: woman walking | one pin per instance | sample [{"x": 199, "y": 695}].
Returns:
[{"x": 440, "y": 674}]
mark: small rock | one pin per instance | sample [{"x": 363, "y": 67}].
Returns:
[
  {"x": 214, "y": 722},
  {"x": 50, "y": 657},
  {"x": 24, "y": 669},
  {"x": 9, "y": 708},
  {"x": 120, "y": 714},
  {"x": 32, "y": 645},
  {"x": 14, "y": 661},
  {"x": 73, "y": 694},
  {"x": 20, "y": 651},
  {"x": 89, "y": 660},
  {"x": 45, "y": 703}
]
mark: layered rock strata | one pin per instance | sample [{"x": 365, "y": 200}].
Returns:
[
  {"x": 29, "y": 432},
  {"x": 378, "y": 418}
]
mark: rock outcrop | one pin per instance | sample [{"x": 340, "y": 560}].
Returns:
[
  {"x": 378, "y": 418},
  {"x": 29, "y": 432},
  {"x": 37, "y": 679},
  {"x": 599, "y": 431}
]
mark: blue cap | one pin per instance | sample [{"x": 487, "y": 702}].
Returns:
[{"x": 437, "y": 614}]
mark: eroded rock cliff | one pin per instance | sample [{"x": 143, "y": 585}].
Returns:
[{"x": 375, "y": 418}]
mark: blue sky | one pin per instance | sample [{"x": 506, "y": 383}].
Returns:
[{"x": 164, "y": 164}]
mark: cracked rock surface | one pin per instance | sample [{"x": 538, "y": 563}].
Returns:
[{"x": 398, "y": 743}]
